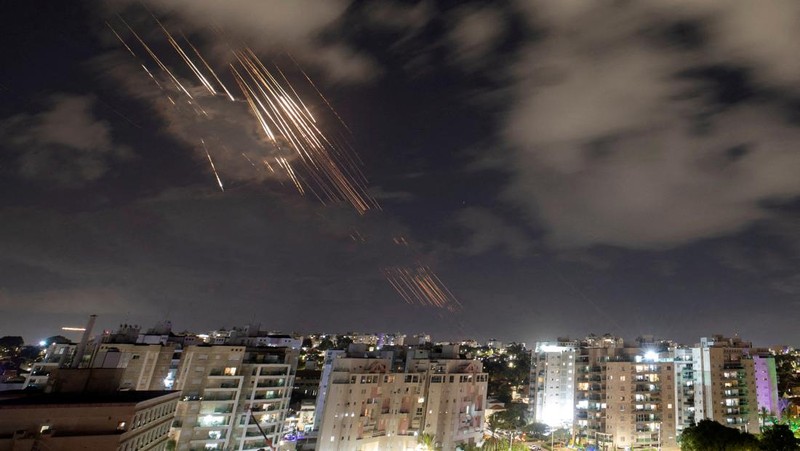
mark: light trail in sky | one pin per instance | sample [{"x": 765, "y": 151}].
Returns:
[
  {"x": 296, "y": 148},
  {"x": 213, "y": 168}
]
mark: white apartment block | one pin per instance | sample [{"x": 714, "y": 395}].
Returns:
[
  {"x": 552, "y": 383},
  {"x": 366, "y": 406},
  {"x": 232, "y": 397}
]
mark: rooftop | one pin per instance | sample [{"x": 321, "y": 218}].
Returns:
[{"x": 36, "y": 398}]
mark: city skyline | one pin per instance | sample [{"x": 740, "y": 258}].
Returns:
[{"x": 548, "y": 174}]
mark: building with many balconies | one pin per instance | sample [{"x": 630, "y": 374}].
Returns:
[
  {"x": 233, "y": 397},
  {"x": 724, "y": 383},
  {"x": 366, "y": 405}
]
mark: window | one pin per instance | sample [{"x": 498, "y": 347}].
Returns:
[{"x": 230, "y": 371}]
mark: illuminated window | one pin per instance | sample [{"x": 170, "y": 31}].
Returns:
[{"x": 230, "y": 371}]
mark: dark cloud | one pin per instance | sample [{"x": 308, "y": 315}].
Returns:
[
  {"x": 607, "y": 145},
  {"x": 487, "y": 231},
  {"x": 475, "y": 34},
  {"x": 65, "y": 143},
  {"x": 271, "y": 26}
]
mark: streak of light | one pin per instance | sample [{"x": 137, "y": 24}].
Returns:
[
  {"x": 324, "y": 99},
  {"x": 158, "y": 61},
  {"x": 315, "y": 163},
  {"x": 278, "y": 109},
  {"x": 211, "y": 162},
  {"x": 420, "y": 285},
  {"x": 73, "y": 329},
  {"x": 121, "y": 40},
  {"x": 248, "y": 159},
  {"x": 208, "y": 66},
  {"x": 203, "y": 80}
]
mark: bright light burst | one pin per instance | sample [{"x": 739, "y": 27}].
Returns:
[{"x": 313, "y": 162}]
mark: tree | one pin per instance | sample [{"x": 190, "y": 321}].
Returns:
[
  {"x": 427, "y": 442},
  {"x": 511, "y": 419},
  {"x": 779, "y": 438},
  {"x": 537, "y": 430},
  {"x": 342, "y": 342},
  {"x": 708, "y": 435},
  {"x": 11, "y": 343}
]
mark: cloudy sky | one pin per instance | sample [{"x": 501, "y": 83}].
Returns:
[{"x": 565, "y": 167}]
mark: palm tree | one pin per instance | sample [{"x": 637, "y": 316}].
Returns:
[{"x": 427, "y": 442}]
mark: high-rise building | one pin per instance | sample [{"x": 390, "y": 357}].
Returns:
[
  {"x": 233, "y": 397},
  {"x": 552, "y": 382},
  {"x": 685, "y": 415},
  {"x": 625, "y": 395},
  {"x": 640, "y": 400},
  {"x": 766, "y": 384},
  {"x": 367, "y": 405},
  {"x": 724, "y": 382}
]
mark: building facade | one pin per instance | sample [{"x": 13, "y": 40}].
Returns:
[
  {"x": 233, "y": 397},
  {"x": 366, "y": 405},
  {"x": 124, "y": 421},
  {"x": 552, "y": 382},
  {"x": 724, "y": 383}
]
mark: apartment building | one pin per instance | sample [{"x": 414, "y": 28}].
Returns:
[
  {"x": 552, "y": 382},
  {"x": 625, "y": 395},
  {"x": 233, "y": 397},
  {"x": 56, "y": 356},
  {"x": 640, "y": 400},
  {"x": 685, "y": 413},
  {"x": 146, "y": 366},
  {"x": 724, "y": 382},
  {"x": 124, "y": 421},
  {"x": 367, "y": 405},
  {"x": 766, "y": 377}
]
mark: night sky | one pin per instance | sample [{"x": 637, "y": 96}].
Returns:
[{"x": 565, "y": 167}]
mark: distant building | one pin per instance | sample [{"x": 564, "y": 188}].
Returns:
[
  {"x": 56, "y": 355},
  {"x": 494, "y": 343}
]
